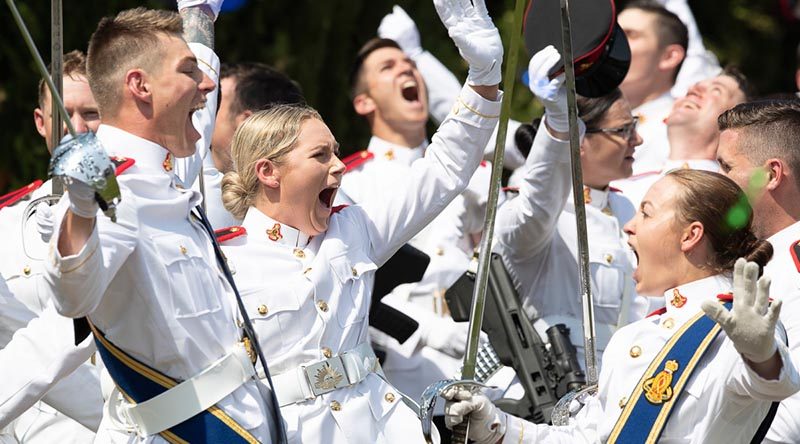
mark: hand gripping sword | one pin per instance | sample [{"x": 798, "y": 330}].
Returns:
[
  {"x": 561, "y": 411},
  {"x": 460, "y": 432},
  {"x": 81, "y": 157}
]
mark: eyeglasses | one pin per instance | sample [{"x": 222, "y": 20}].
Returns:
[{"x": 627, "y": 131}]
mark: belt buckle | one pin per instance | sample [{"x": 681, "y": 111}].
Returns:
[{"x": 326, "y": 376}]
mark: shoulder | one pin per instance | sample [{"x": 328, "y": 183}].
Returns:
[
  {"x": 356, "y": 160},
  {"x": 15, "y": 196}
]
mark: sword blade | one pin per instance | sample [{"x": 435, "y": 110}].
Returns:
[
  {"x": 56, "y": 73},
  {"x": 577, "y": 195}
]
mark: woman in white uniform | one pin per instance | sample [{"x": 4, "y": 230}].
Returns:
[
  {"x": 678, "y": 375},
  {"x": 535, "y": 231},
  {"x": 306, "y": 269}
]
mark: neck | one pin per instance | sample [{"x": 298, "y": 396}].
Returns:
[
  {"x": 410, "y": 137},
  {"x": 685, "y": 143},
  {"x": 783, "y": 212},
  {"x": 639, "y": 94}
]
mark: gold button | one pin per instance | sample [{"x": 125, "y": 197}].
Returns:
[
  {"x": 389, "y": 397},
  {"x": 27, "y": 270},
  {"x": 262, "y": 309},
  {"x": 183, "y": 249},
  {"x": 440, "y": 251},
  {"x": 623, "y": 401},
  {"x": 636, "y": 351},
  {"x": 323, "y": 306},
  {"x": 608, "y": 258},
  {"x": 335, "y": 406},
  {"x": 327, "y": 352},
  {"x": 299, "y": 253},
  {"x": 668, "y": 323},
  {"x": 355, "y": 273}
]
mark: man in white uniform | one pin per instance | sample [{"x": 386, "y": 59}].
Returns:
[
  {"x": 758, "y": 150},
  {"x": 149, "y": 282}
]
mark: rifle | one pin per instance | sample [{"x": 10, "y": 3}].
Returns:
[{"x": 545, "y": 372}]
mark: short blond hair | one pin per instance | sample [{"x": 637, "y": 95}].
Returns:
[
  {"x": 73, "y": 66},
  {"x": 269, "y": 134},
  {"x": 123, "y": 42}
]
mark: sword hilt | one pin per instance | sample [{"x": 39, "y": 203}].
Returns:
[{"x": 460, "y": 432}]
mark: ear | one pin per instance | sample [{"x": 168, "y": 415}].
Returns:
[
  {"x": 363, "y": 104},
  {"x": 267, "y": 173},
  {"x": 692, "y": 236},
  {"x": 242, "y": 116},
  {"x": 776, "y": 171},
  {"x": 671, "y": 57},
  {"x": 38, "y": 119},
  {"x": 138, "y": 86}
]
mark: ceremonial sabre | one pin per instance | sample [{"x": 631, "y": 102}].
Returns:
[
  {"x": 56, "y": 73},
  {"x": 460, "y": 432},
  {"x": 82, "y": 157},
  {"x": 561, "y": 413}
]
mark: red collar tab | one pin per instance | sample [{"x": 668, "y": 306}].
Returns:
[
  {"x": 660, "y": 311},
  {"x": 725, "y": 297},
  {"x": 794, "y": 250},
  {"x": 15, "y": 196},
  {"x": 338, "y": 208},
  {"x": 357, "y": 159},
  {"x": 511, "y": 189},
  {"x": 225, "y": 234},
  {"x": 614, "y": 190},
  {"x": 121, "y": 164}
]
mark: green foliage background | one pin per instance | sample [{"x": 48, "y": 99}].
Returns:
[{"x": 315, "y": 41}]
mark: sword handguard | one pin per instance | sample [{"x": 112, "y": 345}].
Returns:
[
  {"x": 428, "y": 401},
  {"x": 84, "y": 159},
  {"x": 561, "y": 412}
]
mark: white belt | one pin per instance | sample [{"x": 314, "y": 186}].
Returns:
[
  {"x": 602, "y": 332},
  {"x": 309, "y": 381},
  {"x": 190, "y": 397}
]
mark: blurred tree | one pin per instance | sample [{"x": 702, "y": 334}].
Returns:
[{"x": 314, "y": 42}]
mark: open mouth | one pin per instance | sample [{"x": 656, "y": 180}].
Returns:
[
  {"x": 327, "y": 195},
  {"x": 410, "y": 90},
  {"x": 198, "y": 107}
]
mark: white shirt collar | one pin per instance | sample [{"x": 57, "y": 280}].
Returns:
[
  {"x": 787, "y": 236},
  {"x": 593, "y": 198},
  {"x": 149, "y": 156},
  {"x": 385, "y": 150},
  {"x": 684, "y": 300},
  {"x": 262, "y": 227}
]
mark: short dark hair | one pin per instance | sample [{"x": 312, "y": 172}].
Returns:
[
  {"x": 593, "y": 110},
  {"x": 73, "y": 66},
  {"x": 767, "y": 129},
  {"x": 374, "y": 44},
  {"x": 742, "y": 81},
  {"x": 670, "y": 30},
  {"x": 260, "y": 87}
]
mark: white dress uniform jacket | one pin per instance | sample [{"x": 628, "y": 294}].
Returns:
[
  {"x": 536, "y": 236},
  {"x": 784, "y": 269},
  {"x": 724, "y": 401},
  {"x": 309, "y": 297},
  {"x": 151, "y": 283},
  {"x": 654, "y": 150}
]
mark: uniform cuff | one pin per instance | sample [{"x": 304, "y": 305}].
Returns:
[
  {"x": 67, "y": 264},
  {"x": 472, "y": 109},
  {"x": 207, "y": 60},
  {"x": 788, "y": 381},
  {"x": 515, "y": 430}
]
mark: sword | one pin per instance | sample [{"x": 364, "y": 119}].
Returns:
[
  {"x": 56, "y": 69},
  {"x": 460, "y": 432},
  {"x": 561, "y": 412}
]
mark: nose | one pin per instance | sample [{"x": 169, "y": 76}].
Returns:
[
  {"x": 206, "y": 84},
  {"x": 698, "y": 88},
  {"x": 79, "y": 124},
  {"x": 630, "y": 227},
  {"x": 338, "y": 168},
  {"x": 636, "y": 140}
]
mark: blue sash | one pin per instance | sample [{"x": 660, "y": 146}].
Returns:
[
  {"x": 139, "y": 382},
  {"x": 649, "y": 406}
]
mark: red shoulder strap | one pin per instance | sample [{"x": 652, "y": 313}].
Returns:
[
  {"x": 660, "y": 311},
  {"x": 510, "y": 189},
  {"x": 13, "y": 197},
  {"x": 357, "y": 159},
  {"x": 615, "y": 190},
  {"x": 794, "y": 250},
  {"x": 338, "y": 208},
  {"x": 224, "y": 234}
]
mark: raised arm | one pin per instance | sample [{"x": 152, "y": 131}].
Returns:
[
  {"x": 456, "y": 149},
  {"x": 526, "y": 223}
]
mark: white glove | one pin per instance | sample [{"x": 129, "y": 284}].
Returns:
[
  {"x": 44, "y": 221},
  {"x": 447, "y": 336},
  {"x": 399, "y": 27},
  {"x": 487, "y": 423},
  {"x": 214, "y": 5},
  {"x": 81, "y": 199},
  {"x": 552, "y": 93},
  {"x": 476, "y": 37},
  {"x": 751, "y": 323}
]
